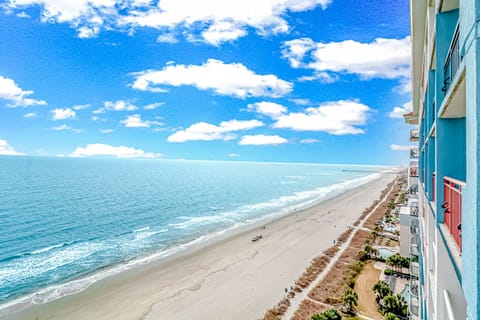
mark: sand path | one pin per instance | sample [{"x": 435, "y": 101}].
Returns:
[{"x": 295, "y": 302}]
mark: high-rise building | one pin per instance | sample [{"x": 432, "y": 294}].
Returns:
[{"x": 445, "y": 36}]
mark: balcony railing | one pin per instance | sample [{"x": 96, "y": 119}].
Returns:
[
  {"x": 413, "y": 171},
  {"x": 452, "y": 62},
  {"x": 434, "y": 180},
  {"x": 414, "y": 152},
  {"x": 414, "y": 211},
  {"x": 414, "y": 134},
  {"x": 452, "y": 196}
]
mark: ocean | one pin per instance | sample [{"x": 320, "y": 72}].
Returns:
[{"x": 68, "y": 222}]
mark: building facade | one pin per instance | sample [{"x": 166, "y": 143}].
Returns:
[{"x": 445, "y": 37}]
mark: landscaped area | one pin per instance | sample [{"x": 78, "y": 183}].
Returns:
[{"x": 368, "y": 277}]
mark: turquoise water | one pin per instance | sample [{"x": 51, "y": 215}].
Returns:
[
  {"x": 67, "y": 222},
  {"x": 390, "y": 228},
  {"x": 385, "y": 253}
]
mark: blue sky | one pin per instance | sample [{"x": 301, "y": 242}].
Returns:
[{"x": 270, "y": 80}]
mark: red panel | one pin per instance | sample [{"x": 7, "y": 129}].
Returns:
[{"x": 452, "y": 196}]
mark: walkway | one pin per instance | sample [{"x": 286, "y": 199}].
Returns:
[{"x": 299, "y": 297}]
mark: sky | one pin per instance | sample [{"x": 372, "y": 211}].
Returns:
[{"x": 321, "y": 81}]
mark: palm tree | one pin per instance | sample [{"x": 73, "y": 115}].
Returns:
[
  {"x": 395, "y": 261},
  {"x": 330, "y": 314},
  {"x": 390, "y": 316},
  {"x": 375, "y": 235},
  {"x": 382, "y": 289},
  {"x": 378, "y": 229},
  {"x": 368, "y": 249},
  {"x": 350, "y": 300},
  {"x": 395, "y": 304}
]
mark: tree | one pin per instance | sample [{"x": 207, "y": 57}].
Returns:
[
  {"x": 375, "y": 235},
  {"x": 390, "y": 316},
  {"x": 395, "y": 304},
  {"x": 330, "y": 314},
  {"x": 395, "y": 261},
  {"x": 405, "y": 262},
  {"x": 350, "y": 300},
  {"x": 382, "y": 289},
  {"x": 379, "y": 229},
  {"x": 368, "y": 249}
]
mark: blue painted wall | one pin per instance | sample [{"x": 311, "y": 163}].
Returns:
[{"x": 450, "y": 156}]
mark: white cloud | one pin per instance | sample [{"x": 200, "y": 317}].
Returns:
[
  {"x": 221, "y": 21},
  {"x": 405, "y": 85},
  {"x": 396, "y": 147},
  {"x": 261, "y": 140},
  {"x": 323, "y": 77},
  {"x": 207, "y": 132},
  {"x": 63, "y": 114},
  {"x": 271, "y": 109},
  {"x": 211, "y": 21},
  {"x": 99, "y": 149},
  {"x": 232, "y": 79},
  {"x": 309, "y": 141},
  {"x": 153, "y": 106},
  {"x": 62, "y": 127},
  {"x": 81, "y": 107},
  {"x": 106, "y": 130},
  {"x": 135, "y": 121},
  {"x": 23, "y": 15},
  {"x": 302, "y": 102},
  {"x": 30, "y": 115},
  {"x": 223, "y": 32},
  {"x": 6, "y": 149},
  {"x": 167, "y": 38},
  {"x": 119, "y": 105},
  {"x": 336, "y": 117},
  {"x": 17, "y": 97},
  {"x": 381, "y": 58},
  {"x": 234, "y": 155},
  {"x": 398, "y": 112}
]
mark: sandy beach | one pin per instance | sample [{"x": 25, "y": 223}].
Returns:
[{"x": 233, "y": 278}]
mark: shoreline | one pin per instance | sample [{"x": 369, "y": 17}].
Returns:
[{"x": 166, "y": 282}]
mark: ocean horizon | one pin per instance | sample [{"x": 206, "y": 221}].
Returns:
[{"x": 69, "y": 222}]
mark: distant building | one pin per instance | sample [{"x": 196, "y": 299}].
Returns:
[{"x": 445, "y": 37}]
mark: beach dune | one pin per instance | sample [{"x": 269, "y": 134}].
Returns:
[{"x": 232, "y": 278}]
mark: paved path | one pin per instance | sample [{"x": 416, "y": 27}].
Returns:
[{"x": 299, "y": 297}]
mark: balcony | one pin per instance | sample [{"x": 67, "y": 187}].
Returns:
[
  {"x": 414, "y": 153},
  {"x": 434, "y": 191},
  {"x": 413, "y": 171},
  {"x": 452, "y": 62},
  {"x": 452, "y": 195},
  {"x": 414, "y": 250},
  {"x": 447, "y": 5},
  {"x": 414, "y": 134},
  {"x": 454, "y": 102},
  {"x": 410, "y": 118},
  {"x": 414, "y": 271},
  {"x": 414, "y": 211}
]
